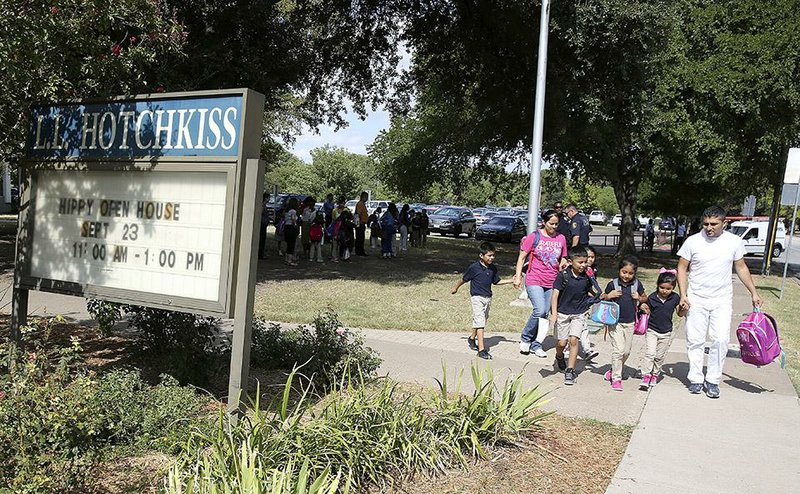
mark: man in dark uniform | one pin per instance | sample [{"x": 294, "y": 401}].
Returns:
[
  {"x": 579, "y": 227},
  {"x": 563, "y": 222}
]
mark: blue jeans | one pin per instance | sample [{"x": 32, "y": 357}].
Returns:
[{"x": 540, "y": 297}]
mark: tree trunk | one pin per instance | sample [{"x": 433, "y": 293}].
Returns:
[{"x": 625, "y": 189}]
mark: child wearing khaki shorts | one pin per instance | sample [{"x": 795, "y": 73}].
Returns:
[{"x": 573, "y": 293}]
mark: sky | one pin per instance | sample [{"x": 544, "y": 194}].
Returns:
[{"x": 355, "y": 137}]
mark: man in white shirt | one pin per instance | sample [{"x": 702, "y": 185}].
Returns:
[{"x": 706, "y": 285}]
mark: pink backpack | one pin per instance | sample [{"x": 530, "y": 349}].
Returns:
[
  {"x": 642, "y": 322},
  {"x": 758, "y": 339}
]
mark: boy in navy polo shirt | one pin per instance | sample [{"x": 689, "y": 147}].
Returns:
[
  {"x": 573, "y": 292},
  {"x": 481, "y": 275}
]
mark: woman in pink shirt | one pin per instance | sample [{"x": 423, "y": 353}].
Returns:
[{"x": 547, "y": 251}]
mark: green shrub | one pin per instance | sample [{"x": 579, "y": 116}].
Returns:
[
  {"x": 189, "y": 346},
  {"x": 326, "y": 352},
  {"x": 59, "y": 419},
  {"x": 368, "y": 435}
]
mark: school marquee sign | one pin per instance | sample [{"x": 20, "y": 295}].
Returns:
[{"x": 143, "y": 200}]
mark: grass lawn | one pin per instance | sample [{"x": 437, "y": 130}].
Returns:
[
  {"x": 785, "y": 313},
  {"x": 410, "y": 292}
]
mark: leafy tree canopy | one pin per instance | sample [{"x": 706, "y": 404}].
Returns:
[{"x": 71, "y": 49}]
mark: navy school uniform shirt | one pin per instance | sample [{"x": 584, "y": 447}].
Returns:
[
  {"x": 627, "y": 305},
  {"x": 481, "y": 278},
  {"x": 574, "y": 295},
  {"x": 661, "y": 312}
]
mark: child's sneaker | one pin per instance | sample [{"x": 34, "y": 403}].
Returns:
[
  {"x": 607, "y": 375},
  {"x": 472, "y": 344},
  {"x": 616, "y": 385},
  {"x": 646, "y": 378},
  {"x": 588, "y": 355},
  {"x": 569, "y": 377},
  {"x": 484, "y": 354},
  {"x": 653, "y": 380},
  {"x": 561, "y": 362}
]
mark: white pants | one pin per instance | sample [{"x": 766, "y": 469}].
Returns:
[
  {"x": 403, "y": 237},
  {"x": 708, "y": 319},
  {"x": 316, "y": 252}
]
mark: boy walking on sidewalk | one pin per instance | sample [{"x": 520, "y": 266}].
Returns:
[
  {"x": 573, "y": 293},
  {"x": 481, "y": 275}
]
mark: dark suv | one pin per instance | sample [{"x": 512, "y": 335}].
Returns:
[
  {"x": 451, "y": 219},
  {"x": 279, "y": 202}
]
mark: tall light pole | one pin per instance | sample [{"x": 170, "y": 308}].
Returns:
[
  {"x": 538, "y": 130},
  {"x": 538, "y": 120}
]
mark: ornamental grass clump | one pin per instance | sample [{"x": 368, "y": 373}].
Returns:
[{"x": 360, "y": 435}]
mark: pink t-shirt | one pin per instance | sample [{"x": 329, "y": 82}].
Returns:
[{"x": 548, "y": 253}]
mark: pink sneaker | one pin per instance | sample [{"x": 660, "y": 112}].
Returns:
[
  {"x": 646, "y": 378},
  {"x": 607, "y": 375},
  {"x": 616, "y": 385},
  {"x": 653, "y": 380}
]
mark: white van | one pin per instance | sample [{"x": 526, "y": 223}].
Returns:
[{"x": 754, "y": 234}]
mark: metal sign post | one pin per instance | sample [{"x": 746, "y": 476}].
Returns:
[{"x": 791, "y": 176}]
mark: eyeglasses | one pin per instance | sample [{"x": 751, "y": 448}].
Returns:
[
  {"x": 559, "y": 207},
  {"x": 711, "y": 224}
]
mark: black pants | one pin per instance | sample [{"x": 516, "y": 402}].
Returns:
[
  {"x": 290, "y": 236},
  {"x": 262, "y": 240},
  {"x": 360, "y": 239}
]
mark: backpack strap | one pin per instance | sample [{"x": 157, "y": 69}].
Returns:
[{"x": 536, "y": 237}]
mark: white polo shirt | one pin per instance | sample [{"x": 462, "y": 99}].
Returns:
[{"x": 710, "y": 263}]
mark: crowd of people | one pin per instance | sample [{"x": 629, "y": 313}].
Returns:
[
  {"x": 561, "y": 281},
  {"x": 556, "y": 266},
  {"x": 336, "y": 233}
]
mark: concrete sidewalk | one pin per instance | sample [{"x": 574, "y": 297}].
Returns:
[{"x": 746, "y": 441}]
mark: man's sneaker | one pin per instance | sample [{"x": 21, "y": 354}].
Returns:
[
  {"x": 561, "y": 362},
  {"x": 653, "y": 380},
  {"x": 484, "y": 354},
  {"x": 645, "y": 382},
  {"x": 695, "y": 388},
  {"x": 569, "y": 377},
  {"x": 524, "y": 348},
  {"x": 616, "y": 385},
  {"x": 472, "y": 344},
  {"x": 607, "y": 375},
  {"x": 589, "y": 355},
  {"x": 540, "y": 353},
  {"x": 712, "y": 390}
]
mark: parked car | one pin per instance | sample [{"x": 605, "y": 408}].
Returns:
[
  {"x": 351, "y": 205},
  {"x": 643, "y": 220},
  {"x": 373, "y": 205},
  {"x": 432, "y": 208},
  {"x": 486, "y": 216},
  {"x": 502, "y": 229},
  {"x": 279, "y": 201},
  {"x": 617, "y": 221},
  {"x": 754, "y": 235},
  {"x": 451, "y": 219},
  {"x": 666, "y": 223},
  {"x": 417, "y": 206},
  {"x": 597, "y": 217}
]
